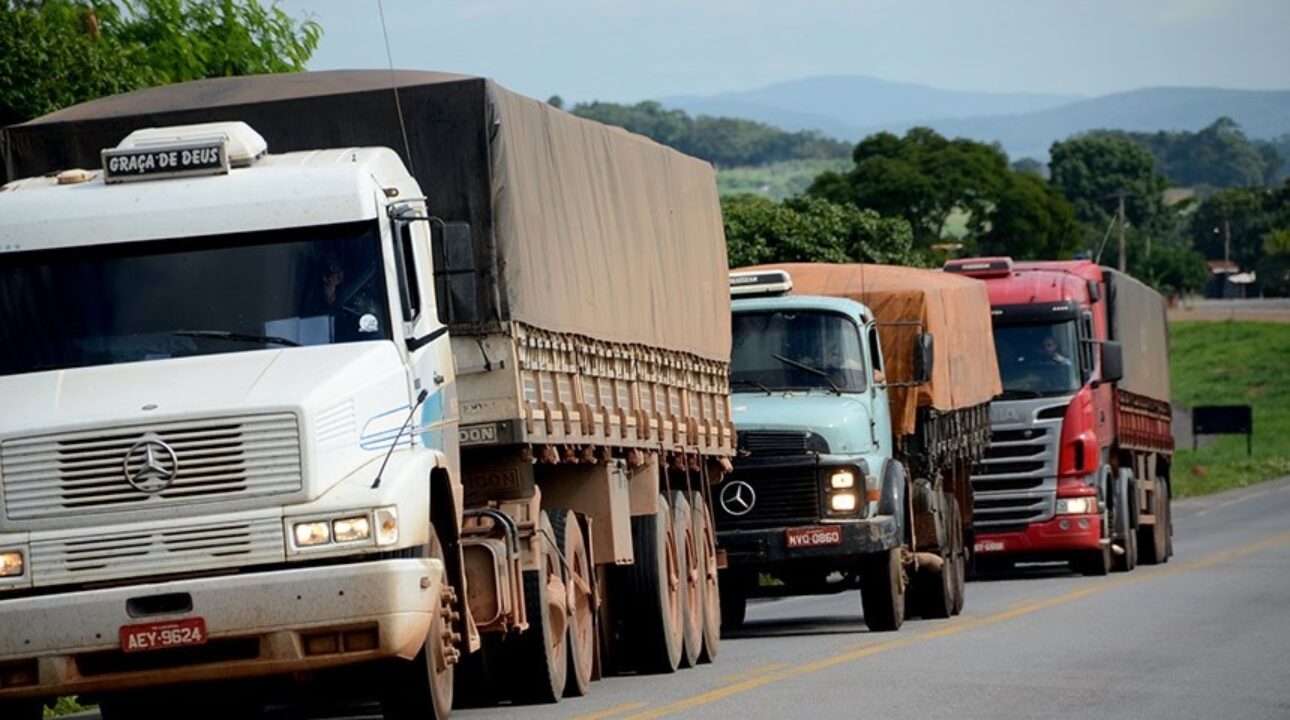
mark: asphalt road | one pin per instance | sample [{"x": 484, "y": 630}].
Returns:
[{"x": 1205, "y": 636}]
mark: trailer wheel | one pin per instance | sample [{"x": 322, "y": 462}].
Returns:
[
  {"x": 581, "y": 639},
  {"x": 1169, "y": 524},
  {"x": 656, "y": 590},
  {"x": 423, "y": 687},
  {"x": 882, "y": 590},
  {"x": 1124, "y": 531},
  {"x": 536, "y": 660},
  {"x": 1153, "y": 540},
  {"x": 687, "y": 564},
  {"x": 709, "y": 589},
  {"x": 22, "y": 710}
]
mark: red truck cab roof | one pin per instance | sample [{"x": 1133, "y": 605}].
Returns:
[{"x": 1026, "y": 283}]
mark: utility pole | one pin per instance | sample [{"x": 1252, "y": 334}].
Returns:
[
  {"x": 1227, "y": 241},
  {"x": 1120, "y": 220}
]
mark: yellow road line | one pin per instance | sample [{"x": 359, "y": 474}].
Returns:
[
  {"x": 754, "y": 672},
  {"x": 601, "y": 715},
  {"x": 957, "y": 626}
]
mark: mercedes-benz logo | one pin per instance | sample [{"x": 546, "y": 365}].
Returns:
[
  {"x": 738, "y": 498},
  {"x": 150, "y": 465}
]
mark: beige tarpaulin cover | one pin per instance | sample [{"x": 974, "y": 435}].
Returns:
[
  {"x": 956, "y": 310},
  {"x": 605, "y": 233},
  {"x": 1140, "y": 324}
]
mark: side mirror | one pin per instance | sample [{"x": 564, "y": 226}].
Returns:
[
  {"x": 1112, "y": 361},
  {"x": 924, "y": 356},
  {"x": 455, "y": 287}
]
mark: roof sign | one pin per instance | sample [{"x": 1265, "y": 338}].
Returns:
[
  {"x": 766, "y": 282},
  {"x": 207, "y": 157},
  {"x": 981, "y": 267}
]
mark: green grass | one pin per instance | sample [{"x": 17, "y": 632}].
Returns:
[
  {"x": 1233, "y": 363},
  {"x": 776, "y": 180},
  {"x": 66, "y": 706}
]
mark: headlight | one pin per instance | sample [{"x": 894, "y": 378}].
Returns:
[
  {"x": 842, "y": 502},
  {"x": 842, "y": 479},
  {"x": 1076, "y": 506},
  {"x": 310, "y": 534},
  {"x": 11, "y": 563},
  {"x": 351, "y": 529}
]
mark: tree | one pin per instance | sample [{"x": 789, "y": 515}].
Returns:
[
  {"x": 1092, "y": 171},
  {"x": 556, "y": 102},
  {"x": 57, "y": 53},
  {"x": 1171, "y": 268},
  {"x": 807, "y": 229},
  {"x": 1239, "y": 218},
  {"x": 1030, "y": 166},
  {"x": 922, "y": 177},
  {"x": 722, "y": 141},
  {"x": 1219, "y": 155},
  {"x": 1030, "y": 220},
  {"x": 1274, "y": 269}
]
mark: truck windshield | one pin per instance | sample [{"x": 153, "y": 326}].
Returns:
[
  {"x": 120, "y": 303},
  {"x": 777, "y": 350},
  {"x": 1037, "y": 360}
]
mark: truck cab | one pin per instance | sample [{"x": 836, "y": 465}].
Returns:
[
  {"x": 815, "y": 491},
  {"x": 228, "y": 401},
  {"x": 1049, "y": 487}
]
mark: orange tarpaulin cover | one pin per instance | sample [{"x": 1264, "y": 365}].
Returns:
[{"x": 954, "y": 309}]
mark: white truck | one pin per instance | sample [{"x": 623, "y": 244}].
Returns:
[{"x": 406, "y": 383}]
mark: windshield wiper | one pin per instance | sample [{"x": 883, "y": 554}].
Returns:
[
  {"x": 236, "y": 336},
  {"x": 750, "y": 381},
  {"x": 810, "y": 369}
]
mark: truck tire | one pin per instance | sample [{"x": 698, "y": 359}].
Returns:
[
  {"x": 423, "y": 687},
  {"x": 882, "y": 590},
  {"x": 1125, "y": 533},
  {"x": 658, "y": 635},
  {"x": 22, "y": 710},
  {"x": 687, "y": 564},
  {"x": 536, "y": 661},
  {"x": 709, "y": 589},
  {"x": 931, "y": 592},
  {"x": 1153, "y": 540},
  {"x": 581, "y": 640},
  {"x": 734, "y": 604}
]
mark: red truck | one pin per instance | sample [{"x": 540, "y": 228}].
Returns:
[{"x": 1081, "y": 446}]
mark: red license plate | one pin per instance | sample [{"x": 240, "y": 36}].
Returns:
[
  {"x": 987, "y": 546},
  {"x": 812, "y": 537},
  {"x": 162, "y": 635}
]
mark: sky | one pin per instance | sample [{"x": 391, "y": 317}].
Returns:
[{"x": 631, "y": 50}]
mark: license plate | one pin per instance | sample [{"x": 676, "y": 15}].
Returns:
[
  {"x": 989, "y": 546},
  {"x": 812, "y": 537},
  {"x": 162, "y": 635}
]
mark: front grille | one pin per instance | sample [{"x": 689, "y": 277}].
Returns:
[
  {"x": 67, "y": 474},
  {"x": 1013, "y": 510},
  {"x": 780, "y": 442},
  {"x": 171, "y": 551},
  {"x": 1016, "y": 482},
  {"x": 784, "y": 497}
]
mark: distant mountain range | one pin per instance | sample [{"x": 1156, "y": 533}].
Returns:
[{"x": 1026, "y": 124}]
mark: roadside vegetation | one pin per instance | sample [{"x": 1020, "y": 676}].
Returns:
[
  {"x": 777, "y": 181},
  {"x": 1232, "y": 363}
]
